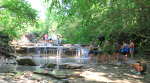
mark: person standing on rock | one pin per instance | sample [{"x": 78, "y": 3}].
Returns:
[
  {"x": 132, "y": 48},
  {"x": 125, "y": 51},
  {"x": 46, "y": 37}
]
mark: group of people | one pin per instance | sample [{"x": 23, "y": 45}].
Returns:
[
  {"x": 129, "y": 49},
  {"x": 124, "y": 50},
  {"x": 118, "y": 52},
  {"x": 54, "y": 40},
  {"x": 114, "y": 51}
]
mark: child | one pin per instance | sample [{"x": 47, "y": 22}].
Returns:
[{"x": 139, "y": 68}]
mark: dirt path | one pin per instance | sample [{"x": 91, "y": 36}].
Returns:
[
  {"x": 110, "y": 74},
  {"x": 91, "y": 73}
]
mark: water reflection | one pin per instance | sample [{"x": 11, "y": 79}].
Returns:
[
  {"x": 27, "y": 68},
  {"x": 41, "y": 61},
  {"x": 43, "y": 58},
  {"x": 7, "y": 68}
]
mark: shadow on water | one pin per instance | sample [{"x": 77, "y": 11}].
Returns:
[{"x": 8, "y": 68}]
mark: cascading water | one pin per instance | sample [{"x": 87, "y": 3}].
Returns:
[
  {"x": 45, "y": 53},
  {"x": 85, "y": 55},
  {"x": 58, "y": 58}
]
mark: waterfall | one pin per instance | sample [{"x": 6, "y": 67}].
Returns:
[{"x": 58, "y": 57}]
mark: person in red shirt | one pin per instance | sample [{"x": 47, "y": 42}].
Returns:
[{"x": 45, "y": 37}]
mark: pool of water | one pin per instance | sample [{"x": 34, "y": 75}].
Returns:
[{"x": 40, "y": 61}]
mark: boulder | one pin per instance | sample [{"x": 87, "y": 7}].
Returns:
[
  {"x": 65, "y": 66},
  {"x": 27, "y": 62}
]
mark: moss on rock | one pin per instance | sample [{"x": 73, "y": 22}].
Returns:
[{"x": 28, "y": 62}]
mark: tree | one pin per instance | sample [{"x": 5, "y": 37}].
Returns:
[
  {"x": 81, "y": 21},
  {"x": 16, "y": 17}
]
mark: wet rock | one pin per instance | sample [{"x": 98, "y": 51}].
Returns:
[
  {"x": 28, "y": 74},
  {"x": 6, "y": 78},
  {"x": 38, "y": 78},
  {"x": 148, "y": 68},
  {"x": 44, "y": 81},
  {"x": 65, "y": 81},
  {"x": 5, "y": 49},
  {"x": 2, "y": 81},
  {"x": 51, "y": 65},
  {"x": 27, "y": 62},
  {"x": 71, "y": 66},
  {"x": 66, "y": 66}
]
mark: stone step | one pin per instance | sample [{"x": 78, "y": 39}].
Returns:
[
  {"x": 147, "y": 50},
  {"x": 147, "y": 53}
]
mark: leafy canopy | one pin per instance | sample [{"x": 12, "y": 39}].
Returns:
[
  {"x": 16, "y": 17},
  {"x": 81, "y": 21}
]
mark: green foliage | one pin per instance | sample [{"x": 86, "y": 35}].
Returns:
[
  {"x": 16, "y": 17},
  {"x": 108, "y": 47},
  {"x": 19, "y": 8},
  {"x": 27, "y": 62},
  {"x": 81, "y": 21}
]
